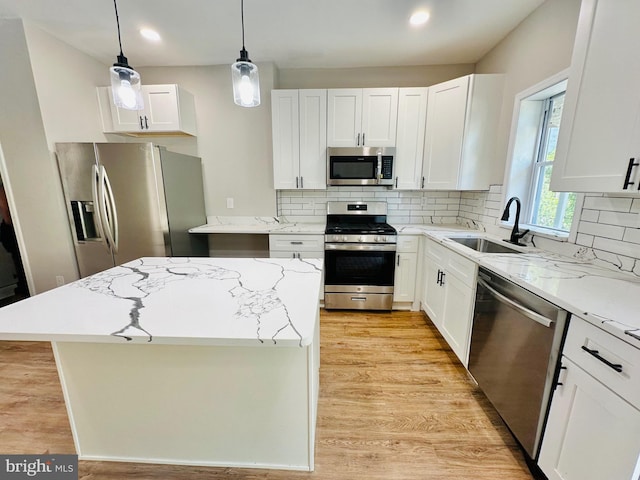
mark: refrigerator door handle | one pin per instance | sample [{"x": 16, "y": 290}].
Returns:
[
  {"x": 109, "y": 212},
  {"x": 97, "y": 211}
]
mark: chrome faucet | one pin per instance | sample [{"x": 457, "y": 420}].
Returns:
[{"x": 516, "y": 235}]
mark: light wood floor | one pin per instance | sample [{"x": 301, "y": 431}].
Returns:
[{"x": 395, "y": 403}]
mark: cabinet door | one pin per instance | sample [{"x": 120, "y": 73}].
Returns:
[
  {"x": 379, "y": 117},
  {"x": 444, "y": 134},
  {"x": 286, "y": 137},
  {"x": 601, "y": 116},
  {"x": 123, "y": 120},
  {"x": 161, "y": 108},
  {"x": 457, "y": 316},
  {"x": 412, "y": 115},
  {"x": 404, "y": 287},
  {"x": 433, "y": 294},
  {"x": 591, "y": 433},
  {"x": 344, "y": 117},
  {"x": 313, "y": 139}
]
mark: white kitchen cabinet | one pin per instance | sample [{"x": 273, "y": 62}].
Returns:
[
  {"x": 462, "y": 118},
  {"x": 412, "y": 115},
  {"x": 362, "y": 117},
  {"x": 600, "y": 134},
  {"x": 168, "y": 109},
  {"x": 298, "y": 121},
  {"x": 449, "y": 295},
  {"x": 593, "y": 428},
  {"x": 404, "y": 286}
]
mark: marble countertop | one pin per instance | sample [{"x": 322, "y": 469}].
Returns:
[
  {"x": 263, "y": 225},
  {"x": 178, "y": 301},
  {"x": 603, "y": 297}
]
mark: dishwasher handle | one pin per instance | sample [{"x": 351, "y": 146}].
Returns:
[{"x": 536, "y": 317}]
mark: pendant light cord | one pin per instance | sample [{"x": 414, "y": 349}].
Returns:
[
  {"x": 115, "y": 6},
  {"x": 241, "y": 17}
]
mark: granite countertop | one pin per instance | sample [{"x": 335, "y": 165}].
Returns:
[
  {"x": 263, "y": 225},
  {"x": 178, "y": 301},
  {"x": 603, "y": 297}
]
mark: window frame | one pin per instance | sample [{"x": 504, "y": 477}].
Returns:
[{"x": 524, "y": 149}]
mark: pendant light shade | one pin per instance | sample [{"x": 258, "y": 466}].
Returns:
[
  {"x": 244, "y": 75},
  {"x": 125, "y": 81}
]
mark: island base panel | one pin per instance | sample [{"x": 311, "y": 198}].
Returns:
[{"x": 195, "y": 405}]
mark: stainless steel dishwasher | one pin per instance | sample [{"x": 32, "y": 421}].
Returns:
[{"x": 515, "y": 344}]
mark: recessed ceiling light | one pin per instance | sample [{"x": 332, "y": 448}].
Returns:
[
  {"x": 150, "y": 34},
  {"x": 419, "y": 18}
]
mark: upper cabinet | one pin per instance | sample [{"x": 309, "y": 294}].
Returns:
[
  {"x": 299, "y": 120},
  {"x": 412, "y": 115},
  {"x": 362, "y": 117},
  {"x": 462, "y": 118},
  {"x": 599, "y": 141},
  {"x": 168, "y": 109}
]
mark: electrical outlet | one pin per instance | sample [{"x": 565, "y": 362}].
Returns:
[
  {"x": 59, "y": 280},
  {"x": 229, "y": 202}
]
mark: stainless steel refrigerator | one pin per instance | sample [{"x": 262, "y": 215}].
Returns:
[{"x": 131, "y": 200}]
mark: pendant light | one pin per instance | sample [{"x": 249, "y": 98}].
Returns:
[
  {"x": 244, "y": 75},
  {"x": 125, "y": 81}
]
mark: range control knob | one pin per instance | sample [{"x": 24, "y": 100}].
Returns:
[
  {"x": 345, "y": 238},
  {"x": 361, "y": 238}
]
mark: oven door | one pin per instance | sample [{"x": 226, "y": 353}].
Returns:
[{"x": 359, "y": 276}]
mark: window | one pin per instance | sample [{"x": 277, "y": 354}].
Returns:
[
  {"x": 534, "y": 136},
  {"x": 549, "y": 209}
]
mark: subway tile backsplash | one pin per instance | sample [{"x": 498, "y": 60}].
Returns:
[
  {"x": 608, "y": 231},
  {"x": 404, "y": 207}
]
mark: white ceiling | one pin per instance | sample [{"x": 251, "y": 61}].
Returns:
[{"x": 290, "y": 33}]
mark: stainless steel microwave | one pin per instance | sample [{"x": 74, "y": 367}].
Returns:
[{"x": 360, "y": 165}]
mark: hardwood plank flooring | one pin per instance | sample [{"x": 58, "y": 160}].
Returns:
[{"x": 395, "y": 403}]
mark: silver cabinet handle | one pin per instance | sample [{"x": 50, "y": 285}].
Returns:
[
  {"x": 359, "y": 299},
  {"x": 296, "y": 242},
  {"x": 536, "y": 317},
  {"x": 358, "y": 140},
  {"x": 301, "y": 182}
]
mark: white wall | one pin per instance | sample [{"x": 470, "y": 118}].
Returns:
[
  {"x": 535, "y": 50},
  {"x": 29, "y": 171},
  {"x": 371, "y": 77},
  {"x": 234, "y": 142}
]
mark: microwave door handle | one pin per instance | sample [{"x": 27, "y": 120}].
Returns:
[
  {"x": 379, "y": 167},
  {"x": 536, "y": 317}
]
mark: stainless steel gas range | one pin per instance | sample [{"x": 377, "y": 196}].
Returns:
[{"x": 359, "y": 251}]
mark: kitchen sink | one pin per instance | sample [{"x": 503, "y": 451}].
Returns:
[{"x": 483, "y": 245}]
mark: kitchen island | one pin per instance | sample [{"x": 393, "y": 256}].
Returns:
[{"x": 195, "y": 361}]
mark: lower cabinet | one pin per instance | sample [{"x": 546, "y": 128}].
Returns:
[
  {"x": 448, "y": 295},
  {"x": 593, "y": 428},
  {"x": 297, "y": 246},
  {"x": 404, "y": 287}
]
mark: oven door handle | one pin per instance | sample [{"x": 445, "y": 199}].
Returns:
[
  {"x": 362, "y": 247},
  {"x": 536, "y": 317}
]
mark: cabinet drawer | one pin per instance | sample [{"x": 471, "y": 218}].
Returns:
[
  {"x": 455, "y": 264},
  {"x": 298, "y": 243},
  {"x": 610, "y": 349},
  {"x": 407, "y": 243}
]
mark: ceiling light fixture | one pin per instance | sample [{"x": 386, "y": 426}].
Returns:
[
  {"x": 419, "y": 18},
  {"x": 150, "y": 34},
  {"x": 244, "y": 75},
  {"x": 125, "y": 81}
]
